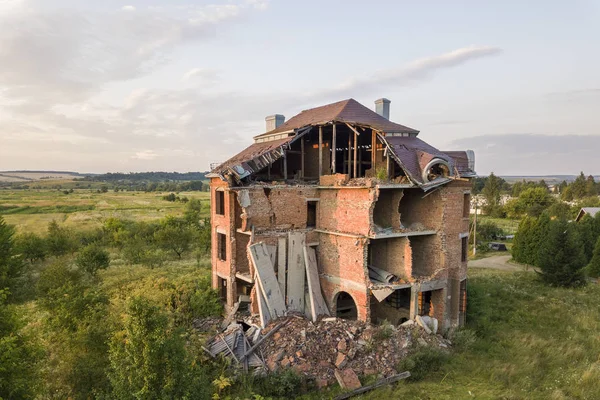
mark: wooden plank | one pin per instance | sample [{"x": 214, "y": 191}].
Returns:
[
  {"x": 269, "y": 334},
  {"x": 350, "y": 155},
  {"x": 296, "y": 272},
  {"x": 281, "y": 264},
  {"x": 317, "y": 303},
  {"x": 373, "y": 150},
  {"x": 377, "y": 384},
  {"x": 267, "y": 280}
]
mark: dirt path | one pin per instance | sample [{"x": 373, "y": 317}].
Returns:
[{"x": 496, "y": 262}]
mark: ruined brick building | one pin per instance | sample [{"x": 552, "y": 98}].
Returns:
[{"x": 386, "y": 214}]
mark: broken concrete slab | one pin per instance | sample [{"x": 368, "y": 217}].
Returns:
[
  {"x": 296, "y": 272},
  {"x": 382, "y": 294},
  {"x": 267, "y": 280},
  {"x": 419, "y": 320},
  {"x": 317, "y": 303}
]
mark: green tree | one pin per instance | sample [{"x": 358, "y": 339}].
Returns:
[
  {"x": 11, "y": 266},
  {"x": 492, "y": 192},
  {"x": 522, "y": 243},
  {"x": 534, "y": 201},
  {"x": 78, "y": 328},
  {"x": 174, "y": 235},
  {"x": 18, "y": 356},
  {"x": 593, "y": 268},
  {"x": 579, "y": 187},
  {"x": 92, "y": 258},
  {"x": 31, "y": 247},
  {"x": 149, "y": 359},
  {"x": 561, "y": 259}
]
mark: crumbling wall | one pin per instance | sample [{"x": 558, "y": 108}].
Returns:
[
  {"x": 346, "y": 210},
  {"x": 393, "y": 255},
  {"x": 395, "y": 310},
  {"x": 272, "y": 208},
  {"x": 386, "y": 213}
]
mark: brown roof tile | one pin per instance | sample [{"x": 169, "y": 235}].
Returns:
[{"x": 350, "y": 111}]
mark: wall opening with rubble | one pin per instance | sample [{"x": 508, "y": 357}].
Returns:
[
  {"x": 421, "y": 211},
  {"x": 345, "y": 307},
  {"x": 395, "y": 308},
  {"x": 426, "y": 255}
]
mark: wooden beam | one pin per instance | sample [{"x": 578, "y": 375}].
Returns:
[
  {"x": 373, "y": 148},
  {"x": 387, "y": 164},
  {"x": 301, "y": 157},
  {"x": 267, "y": 281},
  {"x": 377, "y": 384},
  {"x": 320, "y": 151},
  {"x": 333, "y": 150},
  {"x": 353, "y": 128},
  {"x": 355, "y": 150},
  {"x": 349, "y": 155},
  {"x": 285, "y": 165}
]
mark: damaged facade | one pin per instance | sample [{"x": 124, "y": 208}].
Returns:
[{"x": 341, "y": 212}]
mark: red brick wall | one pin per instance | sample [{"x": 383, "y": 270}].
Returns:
[{"x": 346, "y": 210}]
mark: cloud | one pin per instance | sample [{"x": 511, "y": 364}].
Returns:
[
  {"x": 145, "y": 155},
  {"x": 205, "y": 75},
  {"x": 533, "y": 154},
  {"x": 128, "y": 8},
  {"x": 413, "y": 72}
]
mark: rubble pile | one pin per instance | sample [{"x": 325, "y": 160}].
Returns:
[{"x": 318, "y": 350}]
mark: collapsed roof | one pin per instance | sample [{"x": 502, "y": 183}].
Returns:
[{"x": 414, "y": 156}]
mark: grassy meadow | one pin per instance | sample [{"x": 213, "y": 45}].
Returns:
[{"x": 31, "y": 210}]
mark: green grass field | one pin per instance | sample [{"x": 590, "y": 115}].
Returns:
[
  {"x": 32, "y": 210},
  {"x": 532, "y": 342}
]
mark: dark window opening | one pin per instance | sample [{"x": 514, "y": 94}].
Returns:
[
  {"x": 222, "y": 289},
  {"x": 399, "y": 299},
  {"x": 222, "y": 246},
  {"x": 220, "y": 202},
  {"x": 466, "y": 205},
  {"x": 465, "y": 249},
  {"x": 311, "y": 214}
]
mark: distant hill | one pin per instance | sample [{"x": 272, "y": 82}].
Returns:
[
  {"x": 30, "y": 176},
  {"x": 148, "y": 177}
]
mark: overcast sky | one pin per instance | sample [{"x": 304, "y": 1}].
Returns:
[{"x": 124, "y": 85}]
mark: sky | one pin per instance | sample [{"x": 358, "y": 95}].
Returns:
[{"x": 145, "y": 85}]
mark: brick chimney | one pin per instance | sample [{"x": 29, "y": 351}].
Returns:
[
  {"x": 382, "y": 107},
  {"x": 274, "y": 121}
]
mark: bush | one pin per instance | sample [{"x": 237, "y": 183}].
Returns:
[
  {"x": 285, "y": 384},
  {"x": 11, "y": 267},
  {"x": 92, "y": 258},
  {"x": 593, "y": 268},
  {"x": 463, "y": 339},
  {"x": 59, "y": 240},
  {"x": 31, "y": 247},
  {"x": 423, "y": 362}
]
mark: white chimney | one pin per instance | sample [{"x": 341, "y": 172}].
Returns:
[
  {"x": 382, "y": 107},
  {"x": 274, "y": 121}
]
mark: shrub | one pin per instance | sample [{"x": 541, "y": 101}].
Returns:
[
  {"x": 593, "y": 268},
  {"x": 59, "y": 240},
  {"x": 11, "y": 267},
  {"x": 92, "y": 258},
  {"x": 285, "y": 384},
  {"x": 463, "y": 339}
]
